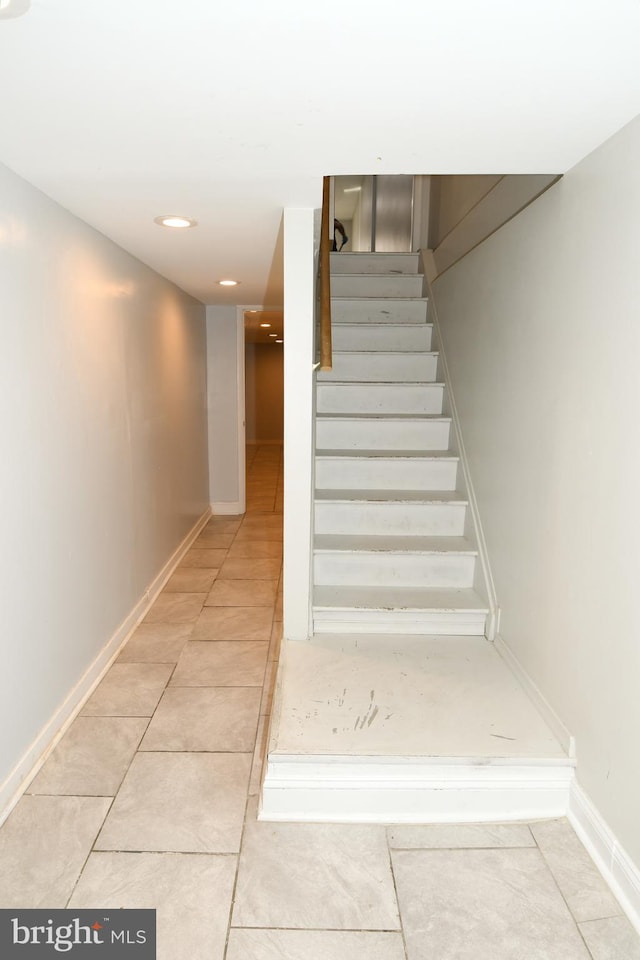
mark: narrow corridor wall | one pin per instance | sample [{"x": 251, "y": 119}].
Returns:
[
  {"x": 104, "y": 448},
  {"x": 542, "y": 335}
]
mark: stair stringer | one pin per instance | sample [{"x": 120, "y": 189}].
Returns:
[{"x": 485, "y": 584}]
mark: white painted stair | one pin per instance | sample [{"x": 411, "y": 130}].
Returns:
[
  {"x": 398, "y": 709},
  {"x": 393, "y": 547}
]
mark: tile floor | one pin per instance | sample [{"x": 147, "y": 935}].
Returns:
[{"x": 150, "y": 800}]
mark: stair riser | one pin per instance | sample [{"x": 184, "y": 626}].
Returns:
[
  {"x": 382, "y": 434},
  {"x": 391, "y": 519},
  {"x": 376, "y": 367},
  {"x": 367, "y": 310},
  {"x": 373, "y": 569},
  {"x": 449, "y": 623},
  {"x": 379, "y": 398},
  {"x": 376, "y": 336},
  {"x": 378, "y": 473},
  {"x": 376, "y": 286},
  {"x": 374, "y": 263}
]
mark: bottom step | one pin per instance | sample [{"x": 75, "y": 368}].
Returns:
[
  {"x": 405, "y": 729},
  {"x": 405, "y": 610}
]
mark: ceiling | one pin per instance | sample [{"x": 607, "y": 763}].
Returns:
[
  {"x": 256, "y": 332},
  {"x": 228, "y": 112}
]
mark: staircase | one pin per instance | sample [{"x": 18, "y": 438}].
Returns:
[
  {"x": 394, "y": 551},
  {"x": 398, "y": 709}
]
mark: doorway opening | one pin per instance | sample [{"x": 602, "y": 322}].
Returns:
[{"x": 264, "y": 409}]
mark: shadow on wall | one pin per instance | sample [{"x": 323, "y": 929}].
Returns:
[{"x": 465, "y": 210}]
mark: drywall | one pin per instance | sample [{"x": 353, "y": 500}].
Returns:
[
  {"x": 451, "y": 200},
  {"x": 540, "y": 327},
  {"x": 225, "y": 337},
  {"x": 505, "y": 197},
  {"x": 104, "y": 464},
  {"x": 264, "y": 393}
]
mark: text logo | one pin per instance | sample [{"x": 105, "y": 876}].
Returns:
[{"x": 80, "y": 934}]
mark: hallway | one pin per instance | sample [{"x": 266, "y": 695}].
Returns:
[{"x": 150, "y": 800}]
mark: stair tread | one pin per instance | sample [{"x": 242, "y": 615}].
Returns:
[
  {"x": 383, "y": 383},
  {"x": 434, "y": 417},
  {"x": 400, "y": 598},
  {"x": 363, "y": 324},
  {"x": 373, "y": 299},
  {"x": 351, "y": 543},
  {"x": 385, "y": 455},
  {"x": 391, "y": 496},
  {"x": 386, "y": 352}
]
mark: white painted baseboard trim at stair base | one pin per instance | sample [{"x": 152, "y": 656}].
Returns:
[
  {"x": 457, "y": 623},
  {"x": 33, "y": 758},
  {"x": 614, "y": 863},
  {"x": 397, "y": 790},
  {"x": 227, "y": 508},
  {"x": 493, "y": 619},
  {"x": 544, "y": 708}
]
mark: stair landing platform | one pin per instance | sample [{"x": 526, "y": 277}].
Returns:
[{"x": 407, "y": 729}]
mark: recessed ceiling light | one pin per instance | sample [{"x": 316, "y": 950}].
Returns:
[
  {"x": 265, "y": 324},
  {"x": 279, "y": 341},
  {"x": 13, "y": 8},
  {"x": 177, "y": 223},
  {"x": 252, "y": 311},
  {"x": 273, "y": 334},
  {"x": 351, "y": 189},
  {"x": 228, "y": 283}
]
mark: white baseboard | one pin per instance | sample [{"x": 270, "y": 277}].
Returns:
[
  {"x": 33, "y": 758},
  {"x": 550, "y": 717},
  {"x": 614, "y": 863},
  {"x": 226, "y": 508},
  {"x": 401, "y": 790}
]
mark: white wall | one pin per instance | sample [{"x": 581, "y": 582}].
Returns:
[
  {"x": 542, "y": 333},
  {"x": 301, "y": 238},
  {"x": 223, "y": 391},
  {"x": 264, "y": 392},
  {"x": 104, "y": 464}
]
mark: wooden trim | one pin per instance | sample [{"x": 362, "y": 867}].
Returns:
[{"x": 326, "y": 361}]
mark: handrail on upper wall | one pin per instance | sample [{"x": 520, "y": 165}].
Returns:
[{"x": 326, "y": 360}]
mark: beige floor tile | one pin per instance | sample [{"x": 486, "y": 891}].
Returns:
[
  {"x": 129, "y": 690},
  {"x": 259, "y": 531},
  {"x": 611, "y": 939},
  {"x": 205, "y": 719},
  {"x": 314, "y": 945},
  {"x": 156, "y": 643},
  {"x": 483, "y": 905},
  {"x": 210, "y": 540},
  {"x": 242, "y": 593},
  {"x": 234, "y": 623},
  {"x": 191, "y": 580},
  {"x": 191, "y": 894},
  {"x": 92, "y": 758},
  {"x": 236, "y": 663},
  {"x": 249, "y": 549},
  {"x": 460, "y": 836},
  {"x": 180, "y": 802},
  {"x": 325, "y": 876},
  {"x": 209, "y": 558},
  {"x": 43, "y": 845},
  {"x": 250, "y": 569},
  {"x": 585, "y": 891},
  {"x": 222, "y": 525},
  {"x": 176, "y": 608}
]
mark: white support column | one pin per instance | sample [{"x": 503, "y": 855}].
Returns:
[{"x": 299, "y": 318}]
